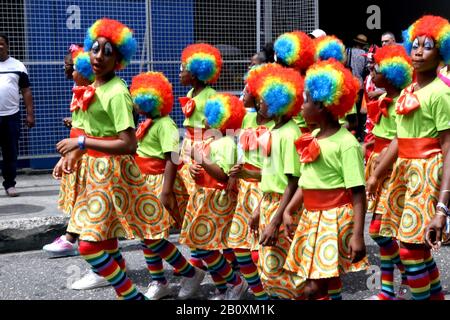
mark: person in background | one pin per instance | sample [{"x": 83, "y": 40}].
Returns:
[{"x": 387, "y": 38}]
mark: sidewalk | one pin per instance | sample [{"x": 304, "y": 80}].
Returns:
[{"x": 31, "y": 220}]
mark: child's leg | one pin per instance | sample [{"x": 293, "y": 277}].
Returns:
[
  {"x": 435, "y": 281},
  {"x": 114, "y": 252},
  {"x": 412, "y": 257},
  {"x": 167, "y": 251},
  {"x": 154, "y": 264},
  {"x": 317, "y": 289},
  {"x": 217, "y": 263},
  {"x": 219, "y": 282},
  {"x": 255, "y": 256},
  {"x": 231, "y": 258},
  {"x": 103, "y": 264},
  {"x": 335, "y": 288},
  {"x": 250, "y": 273},
  {"x": 196, "y": 261}
]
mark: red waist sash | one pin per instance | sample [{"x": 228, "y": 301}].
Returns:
[
  {"x": 418, "y": 148},
  {"x": 250, "y": 167},
  {"x": 76, "y": 132},
  {"x": 151, "y": 166},
  {"x": 380, "y": 144},
  {"x": 99, "y": 154},
  {"x": 315, "y": 200}
]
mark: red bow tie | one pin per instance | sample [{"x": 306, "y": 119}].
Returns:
[
  {"x": 252, "y": 138},
  {"x": 375, "y": 109},
  {"x": 143, "y": 128},
  {"x": 187, "y": 106},
  {"x": 407, "y": 102},
  {"x": 82, "y": 97},
  {"x": 308, "y": 148}
]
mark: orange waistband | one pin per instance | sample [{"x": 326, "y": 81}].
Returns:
[
  {"x": 380, "y": 144},
  {"x": 99, "y": 154},
  {"x": 196, "y": 134},
  {"x": 315, "y": 200},
  {"x": 418, "y": 148},
  {"x": 152, "y": 166},
  {"x": 251, "y": 167},
  {"x": 205, "y": 180},
  {"x": 76, "y": 132}
]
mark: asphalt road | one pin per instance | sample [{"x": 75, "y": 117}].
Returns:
[{"x": 32, "y": 275}]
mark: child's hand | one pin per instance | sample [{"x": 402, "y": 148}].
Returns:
[
  {"x": 433, "y": 232},
  {"x": 357, "y": 248},
  {"x": 232, "y": 184},
  {"x": 236, "y": 170},
  {"x": 70, "y": 162},
  {"x": 254, "y": 223},
  {"x": 169, "y": 201},
  {"x": 67, "y": 122},
  {"x": 288, "y": 225},
  {"x": 269, "y": 236},
  {"x": 67, "y": 145},
  {"x": 194, "y": 170},
  {"x": 371, "y": 188},
  {"x": 57, "y": 170}
]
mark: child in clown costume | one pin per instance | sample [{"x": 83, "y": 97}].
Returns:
[
  {"x": 329, "y": 238},
  {"x": 393, "y": 71},
  {"x": 210, "y": 208},
  {"x": 421, "y": 144},
  {"x": 157, "y": 157},
  {"x": 279, "y": 92},
  {"x": 117, "y": 201}
]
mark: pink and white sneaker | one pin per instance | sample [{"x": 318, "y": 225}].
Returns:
[{"x": 61, "y": 247}]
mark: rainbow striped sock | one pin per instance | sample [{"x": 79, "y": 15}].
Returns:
[
  {"x": 417, "y": 272},
  {"x": 172, "y": 255},
  {"x": 217, "y": 263},
  {"x": 250, "y": 273},
  {"x": 116, "y": 255},
  {"x": 436, "y": 292},
  {"x": 335, "y": 288},
  {"x": 107, "y": 267},
  {"x": 231, "y": 258},
  {"x": 154, "y": 264},
  {"x": 219, "y": 282}
]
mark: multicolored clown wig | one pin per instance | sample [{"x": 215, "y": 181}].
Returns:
[
  {"x": 280, "y": 88},
  {"x": 435, "y": 27},
  {"x": 224, "y": 111},
  {"x": 329, "y": 47},
  {"x": 330, "y": 83},
  {"x": 295, "y": 49},
  {"x": 82, "y": 63},
  {"x": 118, "y": 34},
  {"x": 203, "y": 61},
  {"x": 395, "y": 65},
  {"x": 152, "y": 93},
  {"x": 253, "y": 76}
]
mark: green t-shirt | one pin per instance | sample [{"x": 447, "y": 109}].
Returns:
[
  {"x": 339, "y": 165},
  {"x": 343, "y": 121},
  {"x": 77, "y": 119},
  {"x": 162, "y": 137},
  {"x": 198, "y": 119},
  {"x": 300, "y": 121},
  {"x": 387, "y": 127},
  {"x": 283, "y": 159},
  {"x": 111, "y": 111},
  {"x": 254, "y": 157},
  {"x": 432, "y": 116},
  {"x": 223, "y": 152}
]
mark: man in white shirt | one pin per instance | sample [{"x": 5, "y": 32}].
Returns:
[{"x": 13, "y": 81}]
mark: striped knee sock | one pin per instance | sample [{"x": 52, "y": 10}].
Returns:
[
  {"x": 219, "y": 282},
  {"x": 105, "y": 265},
  {"x": 114, "y": 252},
  {"x": 196, "y": 261},
  {"x": 217, "y": 263},
  {"x": 172, "y": 255},
  {"x": 231, "y": 258},
  {"x": 417, "y": 273},
  {"x": 435, "y": 280},
  {"x": 255, "y": 256},
  {"x": 335, "y": 288},
  {"x": 154, "y": 264},
  {"x": 250, "y": 273}
]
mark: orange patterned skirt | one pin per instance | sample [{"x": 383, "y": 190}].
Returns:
[
  {"x": 117, "y": 201},
  {"x": 412, "y": 197},
  {"x": 277, "y": 281},
  {"x": 320, "y": 247}
]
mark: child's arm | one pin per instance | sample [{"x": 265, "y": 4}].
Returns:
[
  {"x": 293, "y": 206},
  {"x": 270, "y": 233},
  {"x": 167, "y": 196},
  {"x": 357, "y": 246},
  {"x": 214, "y": 170},
  {"x": 254, "y": 220}
]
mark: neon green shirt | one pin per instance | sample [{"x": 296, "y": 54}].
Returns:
[
  {"x": 198, "y": 119},
  {"x": 339, "y": 165},
  {"x": 255, "y": 157},
  {"x": 283, "y": 159},
  {"x": 111, "y": 112},
  {"x": 432, "y": 116},
  {"x": 387, "y": 127},
  {"x": 162, "y": 137},
  {"x": 77, "y": 119},
  {"x": 223, "y": 152},
  {"x": 300, "y": 121}
]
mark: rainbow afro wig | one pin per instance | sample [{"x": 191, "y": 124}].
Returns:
[
  {"x": 280, "y": 88},
  {"x": 329, "y": 47},
  {"x": 203, "y": 61},
  {"x": 152, "y": 93},
  {"x": 395, "y": 65},
  {"x": 82, "y": 63},
  {"x": 330, "y": 83},
  {"x": 434, "y": 27},
  {"x": 253, "y": 76},
  {"x": 117, "y": 33},
  {"x": 295, "y": 49},
  {"x": 224, "y": 111}
]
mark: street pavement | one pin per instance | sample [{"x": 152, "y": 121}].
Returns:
[{"x": 32, "y": 275}]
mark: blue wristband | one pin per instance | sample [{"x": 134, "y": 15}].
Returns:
[{"x": 82, "y": 142}]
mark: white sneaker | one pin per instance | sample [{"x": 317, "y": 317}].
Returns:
[
  {"x": 237, "y": 292},
  {"x": 61, "y": 248},
  {"x": 190, "y": 285},
  {"x": 90, "y": 281},
  {"x": 218, "y": 296},
  {"x": 404, "y": 292},
  {"x": 12, "y": 192},
  {"x": 157, "y": 290}
]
